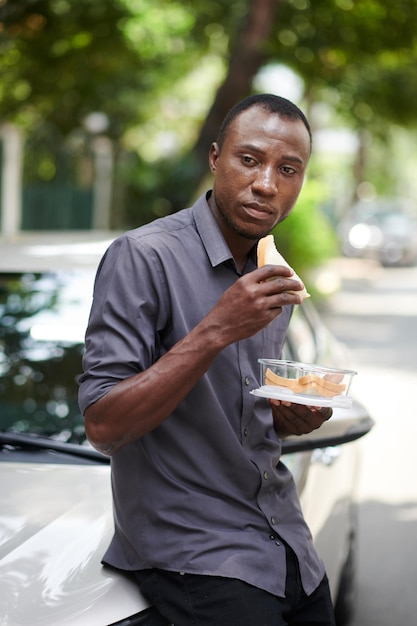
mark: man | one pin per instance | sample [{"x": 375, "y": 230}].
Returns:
[{"x": 206, "y": 515}]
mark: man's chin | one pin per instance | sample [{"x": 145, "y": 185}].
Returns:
[
  {"x": 247, "y": 230},
  {"x": 253, "y": 234}
]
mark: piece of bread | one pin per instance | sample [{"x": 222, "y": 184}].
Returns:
[
  {"x": 311, "y": 384},
  {"x": 269, "y": 255}
]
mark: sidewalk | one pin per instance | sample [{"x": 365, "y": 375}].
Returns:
[{"x": 342, "y": 273}]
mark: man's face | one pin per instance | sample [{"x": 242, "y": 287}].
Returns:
[{"x": 259, "y": 171}]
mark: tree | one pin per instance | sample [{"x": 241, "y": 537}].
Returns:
[
  {"x": 61, "y": 61},
  {"x": 130, "y": 59},
  {"x": 336, "y": 47}
]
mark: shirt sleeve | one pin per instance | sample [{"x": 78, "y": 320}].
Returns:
[{"x": 126, "y": 317}]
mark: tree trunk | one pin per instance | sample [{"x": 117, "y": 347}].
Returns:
[{"x": 359, "y": 166}]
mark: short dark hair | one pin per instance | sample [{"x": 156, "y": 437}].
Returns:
[{"x": 274, "y": 104}]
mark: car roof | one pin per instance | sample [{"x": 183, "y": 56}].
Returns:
[{"x": 52, "y": 251}]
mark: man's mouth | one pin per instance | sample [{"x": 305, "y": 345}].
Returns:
[{"x": 257, "y": 210}]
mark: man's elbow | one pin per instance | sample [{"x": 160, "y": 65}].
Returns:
[{"x": 99, "y": 435}]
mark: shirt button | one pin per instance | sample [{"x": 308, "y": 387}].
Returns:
[
  {"x": 266, "y": 475},
  {"x": 247, "y": 381},
  {"x": 245, "y": 432},
  {"x": 273, "y": 521}
]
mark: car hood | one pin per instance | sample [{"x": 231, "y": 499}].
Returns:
[{"x": 55, "y": 524}]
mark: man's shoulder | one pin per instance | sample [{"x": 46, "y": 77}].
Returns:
[
  {"x": 188, "y": 232},
  {"x": 167, "y": 224}
]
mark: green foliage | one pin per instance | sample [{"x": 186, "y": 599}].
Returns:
[
  {"x": 61, "y": 61},
  {"x": 360, "y": 54},
  {"x": 153, "y": 67},
  {"x": 155, "y": 189}
]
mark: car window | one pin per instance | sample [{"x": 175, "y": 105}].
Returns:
[{"x": 43, "y": 317}]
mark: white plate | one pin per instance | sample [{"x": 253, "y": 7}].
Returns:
[{"x": 282, "y": 393}]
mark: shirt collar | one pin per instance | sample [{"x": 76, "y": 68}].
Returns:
[{"x": 211, "y": 235}]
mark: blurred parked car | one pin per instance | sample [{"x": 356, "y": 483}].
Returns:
[
  {"x": 383, "y": 229},
  {"x": 55, "y": 499}
]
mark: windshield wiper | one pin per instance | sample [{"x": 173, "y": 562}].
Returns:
[{"x": 36, "y": 442}]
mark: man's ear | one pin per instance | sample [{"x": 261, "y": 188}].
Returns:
[{"x": 213, "y": 156}]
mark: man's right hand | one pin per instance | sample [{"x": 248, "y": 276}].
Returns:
[{"x": 253, "y": 301}]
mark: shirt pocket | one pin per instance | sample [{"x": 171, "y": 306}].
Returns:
[{"x": 273, "y": 336}]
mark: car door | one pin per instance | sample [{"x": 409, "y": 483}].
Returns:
[{"x": 326, "y": 463}]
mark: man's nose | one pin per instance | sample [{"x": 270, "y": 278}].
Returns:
[{"x": 265, "y": 181}]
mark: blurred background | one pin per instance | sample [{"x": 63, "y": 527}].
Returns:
[
  {"x": 108, "y": 109},
  {"x": 107, "y": 112}
]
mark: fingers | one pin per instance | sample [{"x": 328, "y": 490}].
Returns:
[
  {"x": 277, "y": 281},
  {"x": 325, "y": 412},
  {"x": 250, "y": 304},
  {"x": 271, "y": 273},
  {"x": 296, "y": 419},
  {"x": 267, "y": 272}
]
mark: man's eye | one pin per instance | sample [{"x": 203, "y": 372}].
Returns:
[
  {"x": 288, "y": 170},
  {"x": 247, "y": 159}
]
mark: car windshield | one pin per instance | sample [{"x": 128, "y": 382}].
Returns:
[{"x": 43, "y": 317}]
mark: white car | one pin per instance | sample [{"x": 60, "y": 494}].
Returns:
[{"x": 55, "y": 499}]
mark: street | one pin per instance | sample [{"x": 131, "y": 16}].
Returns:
[{"x": 375, "y": 314}]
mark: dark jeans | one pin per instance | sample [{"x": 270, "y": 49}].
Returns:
[{"x": 193, "y": 600}]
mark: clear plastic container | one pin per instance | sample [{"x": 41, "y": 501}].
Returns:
[{"x": 304, "y": 383}]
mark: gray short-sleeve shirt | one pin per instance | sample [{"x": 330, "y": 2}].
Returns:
[{"x": 205, "y": 492}]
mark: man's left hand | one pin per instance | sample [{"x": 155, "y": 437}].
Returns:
[{"x": 297, "y": 419}]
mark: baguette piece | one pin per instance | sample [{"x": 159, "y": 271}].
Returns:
[{"x": 269, "y": 255}]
